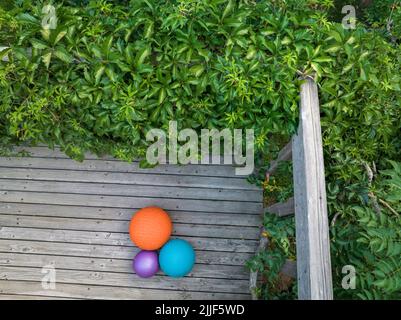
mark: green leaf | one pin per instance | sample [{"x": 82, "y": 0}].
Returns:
[
  {"x": 347, "y": 68},
  {"x": 45, "y": 34},
  {"x": 129, "y": 55},
  {"x": 351, "y": 40},
  {"x": 62, "y": 54},
  {"x": 107, "y": 45},
  {"x": 38, "y": 44},
  {"x": 111, "y": 74},
  {"x": 99, "y": 72},
  {"x": 96, "y": 51},
  {"x": 251, "y": 53},
  {"x": 197, "y": 70},
  {"x": 336, "y": 35},
  {"x": 162, "y": 95},
  {"x": 204, "y": 53},
  {"x": 46, "y": 59},
  {"x": 148, "y": 30},
  {"x": 363, "y": 74},
  {"x": 27, "y": 18},
  {"x": 317, "y": 68},
  {"x": 59, "y": 36},
  {"x": 363, "y": 56},
  {"x": 333, "y": 49},
  {"x": 228, "y": 9},
  {"x": 323, "y": 59},
  {"x": 142, "y": 54}
]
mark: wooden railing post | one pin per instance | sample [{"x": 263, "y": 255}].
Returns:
[{"x": 312, "y": 231}]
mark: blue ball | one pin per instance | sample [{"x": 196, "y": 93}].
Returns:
[{"x": 177, "y": 258}]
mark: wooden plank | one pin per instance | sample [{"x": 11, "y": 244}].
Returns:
[
  {"x": 30, "y": 297},
  {"x": 254, "y": 275},
  {"x": 121, "y": 227},
  {"x": 289, "y": 268},
  {"x": 283, "y": 209},
  {"x": 131, "y": 190},
  {"x": 285, "y": 154},
  {"x": 111, "y": 252},
  {"x": 116, "y": 166},
  {"x": 70, "y": 212},
  {"x": 312, "y": 232},
  {"x": 109, "y": 292},
  {"x": 120, "y": 239},
  {"x": 113, "y": 265},
  {"x": 127, "y": 178},
  {"x": 43, "y": 151},
  {"x": 76, "y": 215},
  {"x": 131, "y": 202},
  {"x": 127, "y": 280}
]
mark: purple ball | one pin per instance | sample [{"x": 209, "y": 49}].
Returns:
[{"x": 146, "y": 263}]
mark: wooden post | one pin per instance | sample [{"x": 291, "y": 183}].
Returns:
[
  {"x": 312, "y": 231},
  {"x": 253, "y": 280}
]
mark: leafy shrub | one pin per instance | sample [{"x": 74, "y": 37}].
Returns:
[
  {"x": 130, "y": 69},
  {"x": 281, "y": 235},
  {"x": 368, "y": 236},
  {"x": 384, "y": 15},
  {"x": 112, "y": 70}
]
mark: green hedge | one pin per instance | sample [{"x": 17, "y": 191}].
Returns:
[
  {"x": 110, "y": 72},
  {"x": 383, "y": 15}
]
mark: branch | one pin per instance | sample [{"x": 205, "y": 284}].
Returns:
[
  {"x": 376, "y": 206},
  {"x": 388, "y": 207}
]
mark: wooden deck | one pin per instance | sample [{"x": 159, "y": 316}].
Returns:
[{"x": 75, "y": 216}]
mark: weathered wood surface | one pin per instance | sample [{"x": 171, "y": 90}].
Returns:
[
  {"x": 312, "y": 232},
  {"x": 254, "y": 275},
  {"x": 84, "y": 291},
  {"x": 37, "y": 161},
  {"x": 282, "y": 209},
  {"x": 229, "y": 244},
  {"x": 127, "y": 279},
  {"x": 111, "y": 252},
  {"x": 28, "y": 297},
  {"x": 75, "y": 216},
  {"x": 102, "y": 213},
  {"x": 285, "y": 154},
  {"x": 130, "y": 191},
  {"x": 137, "y": 179},
  {"x": 130, "y": 202},
  {"x": 289, "y": 268}
]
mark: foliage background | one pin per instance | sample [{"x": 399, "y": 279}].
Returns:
[{"x": 114, "y": 69}]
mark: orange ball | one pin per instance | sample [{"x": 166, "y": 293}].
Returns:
[{"x": 150, "y": 228}]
